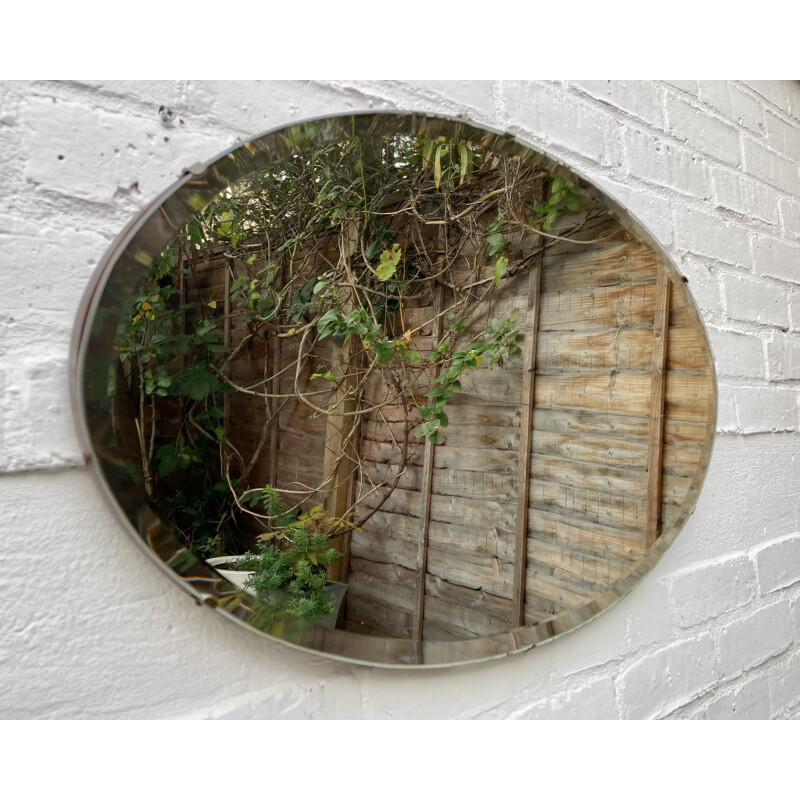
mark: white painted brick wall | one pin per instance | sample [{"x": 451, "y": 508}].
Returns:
[
  {"x": 708, "y": 590},
  {"x": 747, "y": 701},
  {"x": 90, "y": 628},
  {"x": 663, "y": 681},
  {"x": 778, "y": 563},
  {"x": 748, "y": 641}
]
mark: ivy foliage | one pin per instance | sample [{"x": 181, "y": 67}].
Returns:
[{"x": 341, "y": 242}]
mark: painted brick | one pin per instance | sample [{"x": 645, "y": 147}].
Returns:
[
  {"x": 730, "y": 101},
  {"x": 727, "y": 418},
  {"x": 691, "y": 87},
  {"x": 784, "y": 684},
  {"x": 794, "y": 308},
  {"x": 782, "y": 136},
  {"x": 717, "y": 95},
  {"x": 710, "y": 589},
  {"x": 640, "y": 98},
  {"x": 594, "y": 700},
  {"x": 82, "y": 152},
  {"x": 152, "y": 94},
  {"x": 736, "y": 354},
  {"x": 772, "y": 91},
  {"x": 770, "y": 167},
  {"x": 701, "y": 132},
  {"x": 778, "y": 563},
  {"x": 756, "y": 301},
  {"x": 253, "y": 107},
  {"x": 748, "y": 641},
  {"x": 667, "y": 679},
  {"x": 709, "y": 235},
  {"x": 37, "y": 427},
  {"x": 793, "y": 98},
  {"x": 648, "y": 615},
  {"x": 649, "y": 208},
  {"x": 553, "y": 117},
  {"x": 766, "y": 409},
  {"x": 703, "y": 282},
  {"x": 744, "y": 196},
  {"x": 746, "y": 110},
  {"x": 750, "y": 700},
  {"x": 790, "y": 216},
  {"x": 472, "y": 94},
  {"x": 783, "y": 357},
  {"x": 46, "y": 272},
  {"x": 777, "y": 259},
  {"x": 655, "y": 160},
  {"x": 794, "y": 611}
]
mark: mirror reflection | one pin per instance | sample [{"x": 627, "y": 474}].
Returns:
[{"x": 397, "y": 389}]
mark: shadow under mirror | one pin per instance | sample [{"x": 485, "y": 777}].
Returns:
[{"x": 396, "y": 389}]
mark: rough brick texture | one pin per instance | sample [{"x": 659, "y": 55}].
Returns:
[
  {"x": 92, "y": 629},
  {"x": 778, "y": 563},
  {"x": 709, "y": 590},
  {"x": 747, "y": 641},
  {"x": 670, "y": 677}
]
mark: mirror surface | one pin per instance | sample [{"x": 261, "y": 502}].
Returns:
[{"x": 396, "y": 389}]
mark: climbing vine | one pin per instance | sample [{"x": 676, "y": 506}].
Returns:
[{"x": 373, "y": 266}]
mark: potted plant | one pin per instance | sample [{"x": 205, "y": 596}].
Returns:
[{"x": 288, "y": 570}]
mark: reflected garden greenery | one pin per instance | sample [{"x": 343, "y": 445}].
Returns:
[{"x": 333, "y": 243}]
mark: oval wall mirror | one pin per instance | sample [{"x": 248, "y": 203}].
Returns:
[{"x": 395, "y": 389}]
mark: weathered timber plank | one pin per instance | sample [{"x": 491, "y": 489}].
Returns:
[
  {"x": 384, "y": 526},
  {"x": 598, "y": 266},
  {"x": 459, "y": 620},
  {"x": 658, "y": 392},
  {"x": 604, "y": 307},
  {"x": 623, "y": 348},
  {"x": 550, "y": 593},
  {"x": 488, "y": 604},
  {"x": 524, "y": 455},
  {"x": 451, "y": 482},
  {"x": 567, "y": 420},
  {"x": 448, "y": 509},
  {"x": 600, "y": 539},
  {"x": 577, "y": 565},
  {"x": 589, "y": 504},
  {"x": 679, "y": 459},
  {"x": 475, "y": 571},
  {"x": 500, "y": 437},
  {"x": 383, "y": 549}
]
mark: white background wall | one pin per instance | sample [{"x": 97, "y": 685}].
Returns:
[{"x": 90, "y": 628}]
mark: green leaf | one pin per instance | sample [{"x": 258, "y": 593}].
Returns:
[
  {"x": 464, "y": 156},
  {"x": 541, "y": 208},
  {"x": 327, "y": 323},
  {"x": 496, "y": 241},
  {"x": 437, "y": 166},
  {"x": 384, "y": 352},
  {"x": 558, "y": 184},
  {"x": 500, "y": 268},
  {"x": 389, "y": 261},
  {"x": 550, "y": 219},
  {"x": 573, "y": 201},
  {"x": 197, "y": 382},
  {"x": 220, "y": 431}
]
